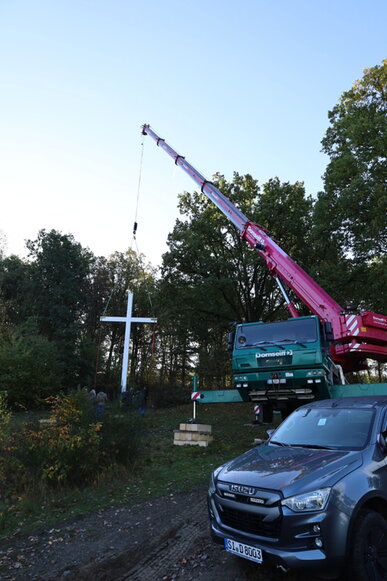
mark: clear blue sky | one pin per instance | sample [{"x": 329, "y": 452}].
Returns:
[{"x": 234, "y": 86}]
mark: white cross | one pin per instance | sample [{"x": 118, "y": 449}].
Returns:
[{"x": 128, "y": 320}]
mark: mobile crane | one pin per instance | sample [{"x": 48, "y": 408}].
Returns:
[{"x": 284, "y": 364}]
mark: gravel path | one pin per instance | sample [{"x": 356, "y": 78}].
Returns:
[{"x": 160, "y": 540}]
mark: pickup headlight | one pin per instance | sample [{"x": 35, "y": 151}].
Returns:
[
  {"x": 316, "y": 500},
  {"x": 212, "y": 485}
]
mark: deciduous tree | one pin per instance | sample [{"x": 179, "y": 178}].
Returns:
[
  {"x": 60, "y": 278},
  {"x": 210, "y": 277},
  {"x": 350, "y": 215},
  {"x": 356, "y": 175}
]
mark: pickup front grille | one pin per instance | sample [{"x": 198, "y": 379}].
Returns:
[{"x": 249, "y": 522}]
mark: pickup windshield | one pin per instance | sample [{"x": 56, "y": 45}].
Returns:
[
  {"x": 281, "y": 334},
  {"x": 325, "y": 428}
]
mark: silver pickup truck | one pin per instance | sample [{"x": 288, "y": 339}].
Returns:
[{"x": 313, "y": 496}]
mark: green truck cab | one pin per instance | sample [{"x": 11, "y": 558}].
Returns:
[
  {"x": 283, "y": 364},
  {"x": 279, "y": 365}
]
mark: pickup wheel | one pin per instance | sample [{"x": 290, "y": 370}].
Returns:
[{"x": 368, "y": 556}]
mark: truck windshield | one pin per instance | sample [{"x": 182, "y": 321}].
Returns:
[
  {"x": 279, "y": 334},
  {"x": 325, "y": 428}
]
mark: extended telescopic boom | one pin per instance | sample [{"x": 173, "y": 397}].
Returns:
[{"x": 356, "y": 336}]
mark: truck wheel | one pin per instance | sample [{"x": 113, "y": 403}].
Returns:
[{"x": 369, "y": 548}]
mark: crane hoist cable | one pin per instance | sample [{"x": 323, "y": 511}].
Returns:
[
  {"x": 134, "y": 241},
  {"x": 135, "y": 224}
]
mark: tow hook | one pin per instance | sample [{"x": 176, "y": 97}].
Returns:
[{"x": 283, "y": 569}]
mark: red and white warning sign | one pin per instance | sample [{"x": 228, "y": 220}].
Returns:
[
  {"x": 195, "y": 395},
  {"x": 257, "y": 409}
]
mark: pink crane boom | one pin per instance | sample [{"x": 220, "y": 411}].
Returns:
[{"x": 356, "y": 337}]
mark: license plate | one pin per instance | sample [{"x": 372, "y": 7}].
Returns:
[{"x": 242, "y": 550}]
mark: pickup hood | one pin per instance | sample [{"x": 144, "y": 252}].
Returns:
[{"x": 290, "y": 470}]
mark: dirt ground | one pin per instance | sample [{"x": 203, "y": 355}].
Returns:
[{"x": 160, "y": 540}]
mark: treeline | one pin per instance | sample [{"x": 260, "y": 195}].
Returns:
[{"x": 51, "y": 338}]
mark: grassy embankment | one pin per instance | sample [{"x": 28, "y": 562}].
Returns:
[{"x": 161, "y": 468}]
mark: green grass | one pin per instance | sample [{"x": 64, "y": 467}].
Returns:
[{"x": 161, "y": 468}]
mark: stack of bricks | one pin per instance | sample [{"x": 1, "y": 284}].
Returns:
[{"x": 193, "y": 435}]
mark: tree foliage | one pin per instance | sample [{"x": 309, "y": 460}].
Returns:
[
  {"x": 30, "y": 368},
  {"x": 60, "y": 278},
  {"x": 350, "y": 216},
  {"x": 356, "y": 175},
  {"x": 120, "y": 273},
  {"x": 14, "y": 291},
  {"x": 210, "y": 277}
]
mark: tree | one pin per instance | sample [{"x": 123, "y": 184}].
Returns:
[
  {"x": 286, "y": 211},
  {"x": 210, "y": 277},
  {"x": 15, "y": 282},
  {"x": 356, "y": 176},
  {"x": 30, "y": 367},
  {"x": 60, "y": 279},
  {"x": 350, "y": 216},
  {"x": 120, "y": 273}
]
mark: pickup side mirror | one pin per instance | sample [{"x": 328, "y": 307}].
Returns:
[
  {"x": 270, "y": 432},
  {"x": 382, "y": 441}
]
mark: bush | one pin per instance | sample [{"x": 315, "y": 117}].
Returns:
[
  {"x": 73, "y": 449},
  {"x": 29, "y": 369}
]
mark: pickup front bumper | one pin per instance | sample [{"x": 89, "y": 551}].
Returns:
[{"x": 292, "y": 544}]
